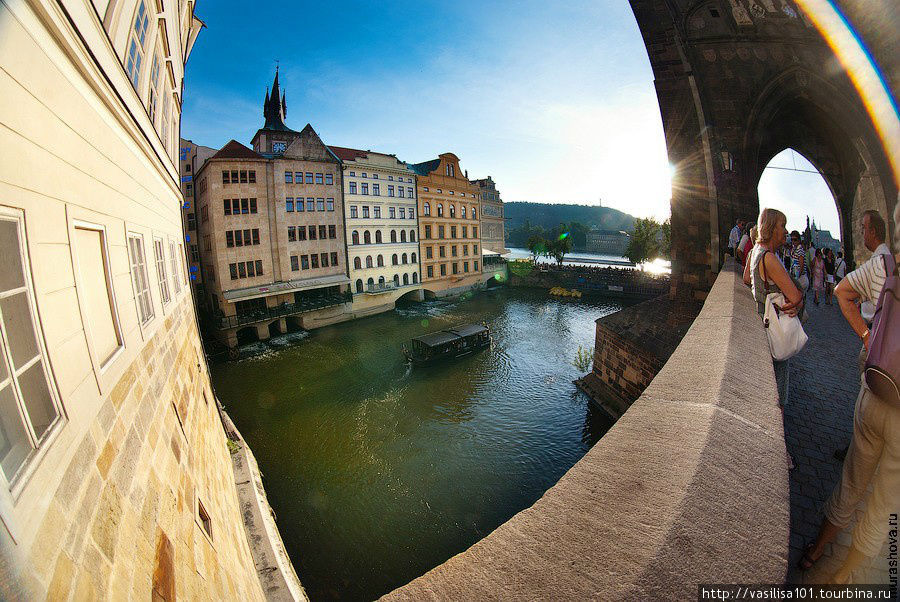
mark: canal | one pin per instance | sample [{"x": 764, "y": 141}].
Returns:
[{"x": 377, "y": 471}]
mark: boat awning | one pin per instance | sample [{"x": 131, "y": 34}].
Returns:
[
  {"x": 436, "y": 338},
  {"x": 278, "y": 288},
  {"x": 468, "y": 329}
]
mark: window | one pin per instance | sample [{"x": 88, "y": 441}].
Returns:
[
  {"x": 154, "y": 92},
  {"x": 289, "y": 205},
  {"x": 298, "y": 177},
  {"x": 329, "y": 203},
  {"x": 380, "y": 261},
  {"x": 442, "y": 251},
  {"x": 314, "y": 261},
  {"x": 160, "y": 256},
  {"x": 357, "y": 263},
  {"x": 301, "y": 232},
  {"x": 430, "y": 271},
  {"x": 452, "y": 193},
  {"x": 403, "y": 258},
  {"x": 394, "y": 259},
  {"x": 359, "y": 286},
  {"x": 320, "y": 204},
  {"x": 465, "y": 266},
  {"x": 243, "y": 176},
  {"x": 474, "y": 249},
  {"x": 452, "y": 211},
  {"x": 428, "y": 253},
  {"x": 292, "y": 234},
  {"x": 465, "y": 232},
  {"x": 475, "y": 266},
  {"x": 474, "y": 231},
  {"x": 334, "y": 258},
  {"x": 353, "y": 211},
  {"x": 225, "y": 178},
  {"x": 229, "y": 239},
  {"x": 323, "y": 233},
  {"x": 412, "y": 236},
  {"x": 192, "y": 221},
  {"x": 365, "y": 188},
  {"x": 312, "y": 232},
  {"x": 332, "y": 232},
  {"x": 139, "y": 277},
  {"x": 453, "y": 250},
  {"x": 252, "y": 203},
  {"x": 450, "y": 170},
  {"x": 396, "y": 279},
  {"x": 232, "y": 267},
  {"x": 400, "y": 191},
  {"x": 309, "y": 177},
  {"x": 440, "y": 210},
  {"x": 402, "y": 235},
  {"x": 427, "y": 232},
  {"x": 374, "y": 176},
  {"x": 354, "y": 237},
  {"x": 367, "y": 237},
  {"x": 252, "y": 177},
  {"x": 405, "y": 279},
  {"x": 320, "y": 178},
  {"x": 352, "y": 187},
  {"x": 426, "y": 209},
  {"x": 245, "y": 206},
  {"x": 304, "y": 262},
  {"x": 393, "y": 236},
  {"x": 329, "y": 179},
  {"x": 195, "y": 254},
  {"x": 324, "y": 260},
  {"x": 410, "y": 193},
  {"x": 174, "y": 260},
  {"x": 440, "y": 232},
  {"x": 365, "y": 209},
  {"x": 452, "y": 231},
  {"x": 295, "y": 264},
  {"x": 425, "y": 188},
  {"x": 455, "y": 268},
  {"x": 402, "y": 212},
  {"x": 415, "y": 277},
  {"x": 443, "y": 269},
  {"x": 136, "y": 45},
  {"x": 288, "y": 177},
  {"x": 353, "y": 173},
  {"x": 412, "y": 258},
  {"x": 462, "y": 211},
  {"x": 28, "y": 406},
  {"x": 390, "y": 190},
  {"x": 365, "y": 175},
  {"x": 376, "y": 212},
  {"x": 368, "y": 261},
  {"x": 376, "y": 189},
  {"x": 378, "y": 236},
  {"x": 465, "y": 249},
  {"x": 474, "y": 216},
  {"x": 95, "y": 291},
  {"x": 392, "y": 212},
  {"x": 310, "y": 204}
]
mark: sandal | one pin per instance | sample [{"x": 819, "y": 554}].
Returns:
[{"x": 806, "y": 561}]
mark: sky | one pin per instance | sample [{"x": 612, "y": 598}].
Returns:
[{"x": 554, "y": 100}]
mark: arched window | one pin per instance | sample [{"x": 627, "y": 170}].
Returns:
[
  {"x": 405, "y": 278},
  {"x": 415, "y": 277},
  {"x": 357, "y": 263},
  {"x": 355, "y": 237},
  {"x": 403, "y": 258},
  {"x": 452, "y": 211},
  {"x": 397, "y": 279},
  {"x": 412, "y": 258},
  {"x": 427, "y": 209},
  {"x": 474, "y": 215},
  {"x": 370, "y": 283},
  {"x": 380, "y": 261},
  {"x": 462, "y": 211},
  {"x": 359, "y": 285},
  {"x": 381, "y": 280},
  {"x": 393, "y": 236},
  {"x": 368, "y": 261},
  {"x": 367, "y": 237},
  {"x": 377, "y": 236},
  {"x": 440, "y": 210},
  {"x": 402, "y": 235},
  {"x": 394, "y": 259},
  {"x": 412, "y": 236}
]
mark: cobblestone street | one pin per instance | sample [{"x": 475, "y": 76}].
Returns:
[{"x": 824, "y": 384}]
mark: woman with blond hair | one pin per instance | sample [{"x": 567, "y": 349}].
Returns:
[{"x": 767, "y": 275}]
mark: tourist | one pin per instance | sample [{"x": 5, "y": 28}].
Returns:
[
  {"x": 818, "y": 275},
  {"x": 840, "y": 267},
  {"x": 798, "y": 261},
  {"x": 735, "y": 237},
  {"x": 876, "y": 432},
  {"x": 767, "y": 274},
  {"x": 810, "y": 255},
  {"x": 829, "y": 275}
]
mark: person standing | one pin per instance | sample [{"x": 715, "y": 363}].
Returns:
[
  {"x": 735, "y": 237},
  {"x": 798, "y": 262},
  {"x": 840, "y": 267},
  {"x": 829, "y": 275},
  {"x": 876, "y": 431},
  {"x": 818, "y": 275}
]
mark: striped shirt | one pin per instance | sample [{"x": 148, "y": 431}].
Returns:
[{"x": 868, "y": 280}]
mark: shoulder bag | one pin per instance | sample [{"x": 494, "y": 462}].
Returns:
[{"x": 785, "y": 333}]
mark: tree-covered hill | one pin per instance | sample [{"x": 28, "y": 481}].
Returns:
[{"x": 549, "y": 216}]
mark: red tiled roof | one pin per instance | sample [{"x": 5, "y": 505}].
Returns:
[
  {"x": 348, "y": 154},
  {"x": 236, "y": 150}
]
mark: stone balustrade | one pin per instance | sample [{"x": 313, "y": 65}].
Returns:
[{"x": 689, "y": 486}]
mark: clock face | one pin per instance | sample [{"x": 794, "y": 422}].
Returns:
[{"x": 278, "y": 147}]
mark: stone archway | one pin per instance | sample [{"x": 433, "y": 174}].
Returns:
[{"x": 737, "y": 82}]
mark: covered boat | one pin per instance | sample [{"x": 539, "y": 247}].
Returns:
[{"x": 447, "y": 344}]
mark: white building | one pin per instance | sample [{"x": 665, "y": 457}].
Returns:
[{"x": 382, "y": 228}]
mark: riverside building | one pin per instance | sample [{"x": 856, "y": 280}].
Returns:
[
  {"x": 449, "y": 227},
  {"x": 191, "y": 157},
  {"x": 115, "y": 478},
  {"x": 381, "y": 229},
  {"x": 493, "y": 232},
  {"x": 272, "y": 232}
]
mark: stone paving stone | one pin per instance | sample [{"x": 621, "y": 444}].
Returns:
[{"x": 818, "y": 420}]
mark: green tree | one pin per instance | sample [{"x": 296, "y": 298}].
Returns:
[
  {"x": 643, "y": 244},
  {"x": 537, "y": 245},
  {"x": 559, "y": 246}
]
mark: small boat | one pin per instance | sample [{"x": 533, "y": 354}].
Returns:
[{"x": 448, "y": 344}]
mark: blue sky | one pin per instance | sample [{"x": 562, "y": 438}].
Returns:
[{"x": 554, "y": 100}]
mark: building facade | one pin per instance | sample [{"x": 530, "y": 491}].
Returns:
[
  {"x": 607, "y": 242},
  {"x": 115, "y": 478},
  {"x": 271, "y": 232},
  {"x": 191, "y": 157},
  {"x": 493, "y": 231},
  {"x": 449, "y": 227},
  {"x": 381, "y": 227}
]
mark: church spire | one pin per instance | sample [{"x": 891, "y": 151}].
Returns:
[{"x": 275, "y": 107}]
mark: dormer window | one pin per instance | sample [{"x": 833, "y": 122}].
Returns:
[{"x": 450, "y": 170}]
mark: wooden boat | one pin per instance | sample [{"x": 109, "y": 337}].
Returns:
[{"x": 447, "y": 344}]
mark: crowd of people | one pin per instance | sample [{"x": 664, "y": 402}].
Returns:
[{"x": 776, "y": 261}]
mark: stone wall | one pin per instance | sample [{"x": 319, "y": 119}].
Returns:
[
  {"x": 527, "y": 276},
  {"x": 689, "y": 486}
]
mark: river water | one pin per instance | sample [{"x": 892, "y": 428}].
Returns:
[{"x": 378, "y": 471}]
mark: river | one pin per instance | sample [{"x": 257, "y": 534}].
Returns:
[{"x": 378, "y": 471}]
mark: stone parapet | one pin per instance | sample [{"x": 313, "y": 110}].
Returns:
[{"x": 689, "y": 486}]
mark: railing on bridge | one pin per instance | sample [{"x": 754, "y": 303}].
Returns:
[{"x": 285, "y": 309}]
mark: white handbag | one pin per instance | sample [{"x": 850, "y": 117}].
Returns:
[{"x": 785, "y": 333}]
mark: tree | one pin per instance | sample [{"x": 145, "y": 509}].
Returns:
[
  {"x": 559, "y": 247},
  {"x": 643, "y": 244},
  {"x": 537, "y": 245}
]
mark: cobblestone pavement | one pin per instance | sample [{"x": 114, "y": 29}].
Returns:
[{"x": 818, "y": 419}]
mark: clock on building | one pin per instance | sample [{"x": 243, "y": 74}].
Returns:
[{"x": 279, "y": 147}]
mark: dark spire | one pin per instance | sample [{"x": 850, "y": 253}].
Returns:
[{"x": 275, "y": 107}]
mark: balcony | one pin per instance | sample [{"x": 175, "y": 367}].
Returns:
[{"x": 285, "y": 309}]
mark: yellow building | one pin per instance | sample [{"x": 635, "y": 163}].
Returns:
[
  {"x": 115, "y": 478},
  {"x": 448, "y": 227}
]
